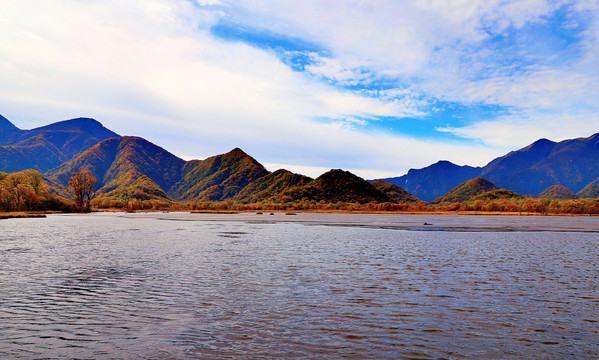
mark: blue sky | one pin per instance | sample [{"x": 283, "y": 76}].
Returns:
[{"x": 374, "y": 87}]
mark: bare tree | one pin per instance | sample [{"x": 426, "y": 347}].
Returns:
[{"x": 82, "y": 184}]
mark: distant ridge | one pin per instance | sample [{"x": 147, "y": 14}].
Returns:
[
  {"x": 49, "y": 146},
  {"x": 573, "y": 163},
  {"x": 434, "y": 180},
  {"x": 7, "y": 125}
]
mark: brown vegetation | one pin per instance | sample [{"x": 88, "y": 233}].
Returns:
[
  {"x": 516, "y": 205},
  {"x": 20, "y": 214}
]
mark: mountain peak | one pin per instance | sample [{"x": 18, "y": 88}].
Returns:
[
  {"x": 82, "y": 123},
  {"x": 541, "y": 145},
  {"x": 6, "y": 124},
  {"x": 480, "y": 181},
  {"x": 218, "y": 177},
  {"x": 338, "y": 185},
  {"x": 337, "y": 172},
  {"x": 445, "y": 163},
  {"x": 237, "y": 152}
]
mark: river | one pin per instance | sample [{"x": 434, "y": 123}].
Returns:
[{"x": 252, "y": 286}]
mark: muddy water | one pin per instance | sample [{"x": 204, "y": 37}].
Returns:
[{"x": 172, "y": 286}]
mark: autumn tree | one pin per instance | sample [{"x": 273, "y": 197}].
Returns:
[
  {"x": 23, "y": 190},
  {"x": 82, "y": 183}
]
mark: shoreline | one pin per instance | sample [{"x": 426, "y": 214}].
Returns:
[
  {"x": 42, "y": 214},
  {"x": 21, "y": 215},
  {"x": 423, "y": 221},
  {"x": 324, "y": 211},
  {"x": 391, "y": 221}
]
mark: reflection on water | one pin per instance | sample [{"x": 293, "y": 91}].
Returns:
[{"x": 111, "y": 286}]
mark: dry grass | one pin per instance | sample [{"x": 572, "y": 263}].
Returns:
[
  {"x": 215, "y": 212},
  {"x": 20, "y": 214}
]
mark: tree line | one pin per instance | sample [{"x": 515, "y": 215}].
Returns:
[{"x": 26, "y": 191}]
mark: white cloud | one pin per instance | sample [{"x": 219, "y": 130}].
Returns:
[
  {"x": 439, "y": 50},
  {"x": 169, "y": 60},
  {"x": 152, "y": 68},
  {"x": 389, "y": 37},
  {"x": 524, "y": 127}
]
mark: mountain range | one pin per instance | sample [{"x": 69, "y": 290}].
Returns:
[
  {"x": 570, "y": 163},
  {"x": 132, "y": 167}
]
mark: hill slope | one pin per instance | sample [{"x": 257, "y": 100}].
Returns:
[
  {"x": 466, "y": 190},
  {"x": 557, "y": 192},
  {"x": 497, "y": 194},
  {"x": 591, "y": 191},
  {"x": 119, "y": 163},
  {"x": 218, "y": 177},
  {"x": 337, "y": 185},
  {"x": 270, "y": 186},
  {"x": 394, "y": 192}
]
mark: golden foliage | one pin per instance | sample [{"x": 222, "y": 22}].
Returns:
[{"x": 26, "y": 191}]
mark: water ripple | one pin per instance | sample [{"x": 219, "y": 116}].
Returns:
[{"x": 112, "y": 286}]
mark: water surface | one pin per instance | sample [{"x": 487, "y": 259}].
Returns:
[{"x": 171, "y": 286}]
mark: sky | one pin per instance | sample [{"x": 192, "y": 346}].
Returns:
[{"x": 375, "y": 87}]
